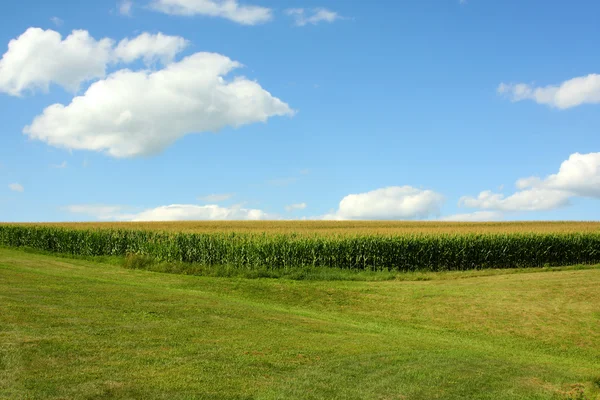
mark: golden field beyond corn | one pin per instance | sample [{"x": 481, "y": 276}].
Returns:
[{"x": 349, "y": 228}]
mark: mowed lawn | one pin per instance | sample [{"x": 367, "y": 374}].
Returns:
[{"x": 74, "y": 329}]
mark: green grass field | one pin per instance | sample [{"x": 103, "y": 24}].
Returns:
[{"x": 77, "y": 329}]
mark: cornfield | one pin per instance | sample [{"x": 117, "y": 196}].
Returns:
[{"x": 411, "y": 252}]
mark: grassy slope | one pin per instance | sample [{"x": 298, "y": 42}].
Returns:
[{"x": 79, "y": 329}]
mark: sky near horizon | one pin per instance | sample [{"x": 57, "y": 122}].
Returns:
[{"x": 471, "y": 110}]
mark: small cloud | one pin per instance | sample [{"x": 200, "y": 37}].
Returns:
[
  {"x": 15, "y": 187},
  {"x": 567, "y": 94},
  {"x": 228, "y": 9},
  {"x": 313, "y": 17},
  {"x": 293, "y": 207},
  {"x": 463, "y": 2},
  {"x": 477, "y": 216},
  {"x": 388, "y": 203},
  {"x": 61, "y": 165},
  {"x": 216, "y": 198},
  {"x": 125, "y": 7},
  {"x": 151, "y": 48},
  {"x": 57, "y": 21},
  {"x": 85, "y": 163},
  {"x": 305, "y": 171},
  {"x": 533, "y": 199},
  {"x": 282, "y": 181}
]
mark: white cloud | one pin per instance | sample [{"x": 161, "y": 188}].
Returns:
[
  {"x": 150, "y": 48},
  {"x": 293, "y": 207},
  {"x": 474, "y": 217},
  {"x": 570, "y": 93},
  {"x": 141, "y": 113},
  {"x": 394, "y": 202},
  {"x": 125, "y": 7},
  {"x": 57, "y": 21},
  {"x": 61, "y": 165},
  {"x": 216, "y": 198},
  {"x": 174, "y": 212},
  {"x": 228, "y": 9},
  {"x": 40, "y": 57},
  {"x": 579, "y": 176},
  {"x": 15, "y": 187},
  {"x": 313, "y": 17}
]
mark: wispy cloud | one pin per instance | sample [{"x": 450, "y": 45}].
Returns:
[
  {"x": 16, "y": 187},
  {"x": 230, "y": 9},
  {"x": 477, "y": 216},
  {"x": 294, "y": 207},
  {"x": 57, "y": 21},
  {"x": 216, "y": 198},
  {"x": 282, "y": 181},
  {"x": 125, "y": 8},
  {"x": 303, "y": 17},
  {"x": 286, "y": 181},
  {"x": 61, "y": 165}
]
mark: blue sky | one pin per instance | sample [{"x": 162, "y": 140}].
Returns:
[{"x": 335, "y": 109}]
